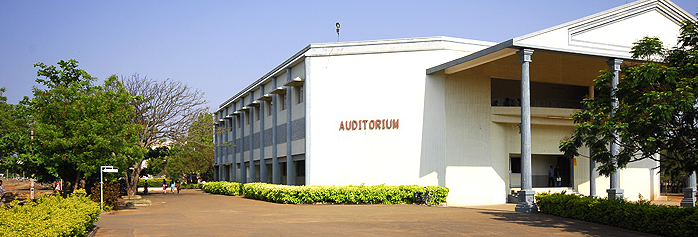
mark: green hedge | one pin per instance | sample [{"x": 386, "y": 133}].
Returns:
[
  {"x": 641, "y": 216},
  {"x": 226, "y": 188},
  {"x": 157, "y": 182},
  {"x": 50, "y": 215},
  {"x": 191, "y": 186},
  {"x": 351, "y": 194}
]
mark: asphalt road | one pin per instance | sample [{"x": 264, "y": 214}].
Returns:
[{"x": 194, "y": 213}]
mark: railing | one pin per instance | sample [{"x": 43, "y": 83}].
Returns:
[{"x": 547, "y": 103}]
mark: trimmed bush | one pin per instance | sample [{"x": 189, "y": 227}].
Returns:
[
  {"x": 157, "y": 182},
  {"x": 111, "y": 193},
  {"x": 352, "y": 194},
  {"x": 50, "y": 215},
  {"x": 225, "y": 188},
  {"x": 191, "y": 186},
  {"x": 641, "y": 216}
]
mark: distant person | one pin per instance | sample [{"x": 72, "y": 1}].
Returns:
[
  {"x": 164, "y": 186},
  {"x": 2, "y": 193},
  {"x": 558, "y": 178},
  {"x": 172, "y": 186},
  {"x": 507, "y": 102},
  {"x": 145, "y": 187},
  {"x": 179, "y": 185},
  {"x": 551, "y": 180},
  {"x": 57, "y": 186}
]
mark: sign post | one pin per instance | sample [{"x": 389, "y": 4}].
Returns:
[{"x": 102, "y": 169}]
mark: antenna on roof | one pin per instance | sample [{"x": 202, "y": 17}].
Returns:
[{"x": 337, "y": 25}]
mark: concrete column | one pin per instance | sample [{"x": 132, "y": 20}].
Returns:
[
  {"x": 243, "y": 167},
  {"x": 262, "y": 163},
  {"x": 217, "y": 151},
  {"x": 689, "y": 193},
  {"x": 592, "y": 175},
  {"x": 290, "y": 165},
  {"x": 253, "y": 170},
  {"x": 226, "y": 149},
  {"x": 615, "y": 191},
  {"x": 233, "y": 168},
  {"x": 527, "y": 201},
  {"x": 275, "y": 169}
]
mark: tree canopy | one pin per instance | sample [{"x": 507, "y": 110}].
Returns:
[
  {"x": 657, "y": 108},
  {"x": 193, "y": 155},
  {"x": 77, "y": 126}
]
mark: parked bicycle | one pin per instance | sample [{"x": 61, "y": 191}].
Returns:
[{"x": 424, "y": 198}]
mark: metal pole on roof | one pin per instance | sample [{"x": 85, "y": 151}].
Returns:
[{"x": 337, "y": 25}]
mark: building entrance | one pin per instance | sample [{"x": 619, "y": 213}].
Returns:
[{"x": 540, "y": 166}]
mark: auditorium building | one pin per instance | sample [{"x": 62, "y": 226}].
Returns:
[{"x": 438, "y": 111}]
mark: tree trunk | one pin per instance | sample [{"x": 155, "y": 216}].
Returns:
[
  {"x": 77, "y": 180},
  {"x": 133, "y": 182}
]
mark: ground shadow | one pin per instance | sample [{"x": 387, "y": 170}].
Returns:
[{"x": 564, "y": 224}]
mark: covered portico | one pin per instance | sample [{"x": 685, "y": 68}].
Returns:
[{"x": 486, "y": 125}]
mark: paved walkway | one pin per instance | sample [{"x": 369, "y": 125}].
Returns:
[{"x": 194, "y": 213}]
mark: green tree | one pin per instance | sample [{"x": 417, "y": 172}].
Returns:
[
  {"x": 77, "y": 126},
  {"x": 166, "y": 111},
  {"x": 14, "y": 127},
  {"x": 657, "y": 109},
  {"x": 193, "y": 155}
]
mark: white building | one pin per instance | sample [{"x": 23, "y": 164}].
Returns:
[{"x": 436, "y": 111}]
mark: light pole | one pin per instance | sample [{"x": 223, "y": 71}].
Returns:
[{"x": 102, "y": 169}]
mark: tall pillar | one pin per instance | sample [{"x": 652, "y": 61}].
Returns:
[
  {"x": 290, "y": 165},
  {"x": 689, "y": 193},
  {"x": 615, "y": 191},
  {"x": 253, "y": 170},
  {"x": 233, "y": 167},
  {"x": 216, "y": 151},
  {"x": 275, "y": 169},
  {"x": 526, "y": 195},
  {"x": 262, "y": 162},
  {"x": 226, "y": 148},
  {"x": 592, "y": 175},
  {"x": 243, "y": 167}
]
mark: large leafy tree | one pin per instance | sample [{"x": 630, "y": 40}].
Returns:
[
  {"x": 14, "y": 127},
  {"x": 657, "y": 109},
  {"x": 193, "y": 155},
  {"x": 77, "y": 126},
  {"x": 165, "y": 112}
]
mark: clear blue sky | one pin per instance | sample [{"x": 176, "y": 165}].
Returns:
[{"x": 220, "y": 47}]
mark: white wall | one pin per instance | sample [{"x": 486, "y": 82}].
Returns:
[{"x": 367, "y": 86}]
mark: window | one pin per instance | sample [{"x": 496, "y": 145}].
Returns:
[
  {"x": 247, "y": 117},
  {"x": 300, "y": 94},
  {"x": 256, "y": 113},
  {"x": 516, "y": 165},
  {"x": 282, "y": 101},
  {"x": 269, "y": 107}
]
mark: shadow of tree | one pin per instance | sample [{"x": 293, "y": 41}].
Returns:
[{"x": 564, "y": 224}]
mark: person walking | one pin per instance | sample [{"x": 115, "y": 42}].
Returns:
[
  {"x": 164, "y": 186},
  {"x": 179, "y": 185},
  {"x": 558, "y": 178},
  {"x": 551, "y": 181},
  {"x": 145, "y": 187},
  {"x": 172, "y": 186}
]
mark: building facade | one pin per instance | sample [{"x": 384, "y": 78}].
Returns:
[{"x": 438, "y": 111}]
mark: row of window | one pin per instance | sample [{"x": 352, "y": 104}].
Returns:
[{"x": 298, "y": 95}]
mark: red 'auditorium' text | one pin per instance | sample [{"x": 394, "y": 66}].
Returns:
[{"x": 369, "y": 124}]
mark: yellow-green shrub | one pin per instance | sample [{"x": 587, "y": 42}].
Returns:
[
  {"x": 223, "y": 187},
  {"x": 50, "y": 215},
  {"x": 352, "y": 194},
  {"x": 640, "y": 216}
]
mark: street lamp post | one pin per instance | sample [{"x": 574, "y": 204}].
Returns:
[{"x": 102, "y": 169}]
